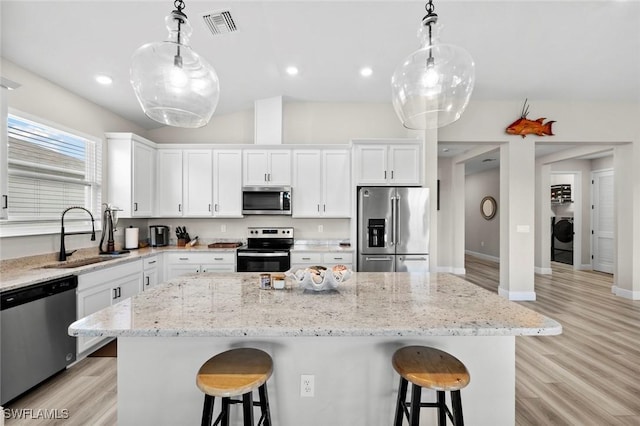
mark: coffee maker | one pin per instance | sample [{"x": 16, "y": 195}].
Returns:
[{"x": 158, "y": 235}]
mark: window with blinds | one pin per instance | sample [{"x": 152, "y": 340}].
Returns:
[{"x": 49, "y": 170}]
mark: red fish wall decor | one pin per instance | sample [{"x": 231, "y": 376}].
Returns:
[{"x": 523, "y": 127}]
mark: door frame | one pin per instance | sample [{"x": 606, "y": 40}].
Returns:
[{"x": 594, "y": 173}]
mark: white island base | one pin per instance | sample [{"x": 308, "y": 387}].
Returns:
[{"x": 355, "y": 383}]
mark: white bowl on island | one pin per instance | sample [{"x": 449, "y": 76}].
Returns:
[{"x": 320, "y": 278}]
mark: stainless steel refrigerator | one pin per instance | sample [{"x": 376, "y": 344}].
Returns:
[{"x": 393, "y": 229}]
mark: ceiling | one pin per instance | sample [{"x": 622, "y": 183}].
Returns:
[{"x": 559, "y": 50}]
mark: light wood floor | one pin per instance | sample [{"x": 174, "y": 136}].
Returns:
[{"x": 589, "y": 375}]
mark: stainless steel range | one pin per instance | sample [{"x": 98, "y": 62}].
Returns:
[{"x": 268, "y": 250}]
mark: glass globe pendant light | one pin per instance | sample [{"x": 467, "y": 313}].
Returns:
[
  {"x": 432, "y": 86},
  {"x": 174, "y": 85}
]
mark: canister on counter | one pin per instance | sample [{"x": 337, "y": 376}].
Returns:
[
  {"x": 277, "y": 281},
  {"x": 265, "y": 281}
]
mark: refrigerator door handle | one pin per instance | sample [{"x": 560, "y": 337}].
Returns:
[
  {"x": 396, "y": 230},
  {"x": 414, "y": 258},
  {"x": 378, "y": 259},
  {"x": 393, "y": 222}
]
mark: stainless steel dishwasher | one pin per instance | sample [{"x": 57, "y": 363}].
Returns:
[{"x": 34, "y": 343}]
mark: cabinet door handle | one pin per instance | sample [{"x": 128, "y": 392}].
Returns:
[
  {"x": 385, "y": 174},
  {"x": 269, "y": 177},
  {"x": 183, "y": 258},
  {"x": 5, "y": 198},
  {"x": 115, "y": 293},
  {"x": 265, "y": 177},
  {"x": 209, "y": 207},
  {"x": 135, "y": 207},
  {"x": 218, "y": 258},
  {"x": 306, "y": 258},
  {"x": 318, "y": 207},
  {"x": 337, "y": 258},
  {"x": 215, "y": 206},
  {"x": 152, "y": 262},
  {"x": 324, "y": 207},
  {"x": 147, "y": 281},
  {"x": 119, "y": 291},
  {"x": 179, "y": 207},
  {"x": 391, "y": 174}
]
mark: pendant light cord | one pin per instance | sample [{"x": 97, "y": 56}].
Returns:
[
  {"x": 430, "y": 18},
  {"x": 179, "y": 5}
]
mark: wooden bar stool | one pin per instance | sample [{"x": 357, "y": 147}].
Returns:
[
  {"x": 431, "y": 369},
  {"x": 236, "y": 372}
]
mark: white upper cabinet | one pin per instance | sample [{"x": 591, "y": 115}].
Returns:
[
  {"x": 200, "y": 183},
  {"x": 227, "y": 183},
  {"x": 169, "y": 188},
  {"x": 394, "y": 162},
  {"x": 336, "y": 189},
  {"x": 267, "y": 167},
  {"x": 321, "y": 183},
  {"x": 197, "y": 183},
  {"x": 131, "y": 163},
  {"x": 4, "y": 173}
]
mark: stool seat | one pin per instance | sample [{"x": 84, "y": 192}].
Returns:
[
  {"x": 430, "y": 368},
  {"x": 234, "y": 372},
  {"x": 433, "y": 369}
]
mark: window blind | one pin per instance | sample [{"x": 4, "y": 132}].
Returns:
[{"x": 49, "y": 170}]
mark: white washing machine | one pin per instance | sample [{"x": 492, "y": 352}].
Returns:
[{"x": 562, "y": 239}]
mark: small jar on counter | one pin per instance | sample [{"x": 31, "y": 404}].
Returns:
[
  {"x": 265, "y": 281},
  {"x": 277, "y": 281}
]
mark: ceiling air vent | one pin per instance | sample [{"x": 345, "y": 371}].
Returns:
[{"x": 220, "y": 22}]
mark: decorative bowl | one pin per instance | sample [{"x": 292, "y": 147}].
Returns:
[{"x": 312, "y": 279}]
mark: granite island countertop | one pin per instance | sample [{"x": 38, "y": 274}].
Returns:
[{"x": 368, "y": 304}]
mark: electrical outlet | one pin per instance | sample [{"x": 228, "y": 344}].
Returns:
[
  {"x": 223, "y": 228},
  {"x": 320, "y": 228},
  {"x": 307, "y": 385}
]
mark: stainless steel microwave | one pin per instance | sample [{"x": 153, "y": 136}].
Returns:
[{"x": 266, "y": 200}]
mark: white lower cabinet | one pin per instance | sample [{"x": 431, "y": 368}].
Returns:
[
  {"x": 301, "y": 260},
  {"x": 151, "y": 272},
  {"x": 102, "y": 288},
  {"x": 178, "y": 264}
]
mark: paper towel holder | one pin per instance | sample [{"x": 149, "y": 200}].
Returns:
[{"x": 128, "y": 230}]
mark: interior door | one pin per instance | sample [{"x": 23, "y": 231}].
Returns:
[{"x": 603, "y": 241}]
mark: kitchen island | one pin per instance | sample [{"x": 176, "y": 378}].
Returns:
[{"x": 345, "y": 338}]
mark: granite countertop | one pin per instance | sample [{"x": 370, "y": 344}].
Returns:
[
  {"x": 321, "y": 248},
  {"x": 368, "y": 304},
  {"x": 17, "y": 273}
]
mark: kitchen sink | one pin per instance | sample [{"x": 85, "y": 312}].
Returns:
[{"x": 80, "y": 262}]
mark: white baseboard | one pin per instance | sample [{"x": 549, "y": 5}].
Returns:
[
  {"x": 542, "y": 271},
  {"x": 451, "y": 270},
  {"x": 483, "y": 256},
  {"x": 627, "y": 294},
  {"x": 517, "y": 295}
]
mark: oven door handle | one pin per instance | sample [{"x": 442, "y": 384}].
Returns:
[{"x": 276, "y": 254}]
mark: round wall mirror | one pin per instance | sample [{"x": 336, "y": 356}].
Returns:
[{"x": 488, "y": 207}]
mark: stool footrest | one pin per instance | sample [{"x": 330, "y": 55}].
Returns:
[{"x": 407, "y": 404}]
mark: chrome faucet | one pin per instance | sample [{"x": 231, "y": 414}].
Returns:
[{"x": 63, "y": 253}]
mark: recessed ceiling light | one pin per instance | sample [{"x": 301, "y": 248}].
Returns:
[
  {"x": 366, "y": 72},
  {"x": 292, "y": 70},
  {"x": 104, "y": 79}
]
